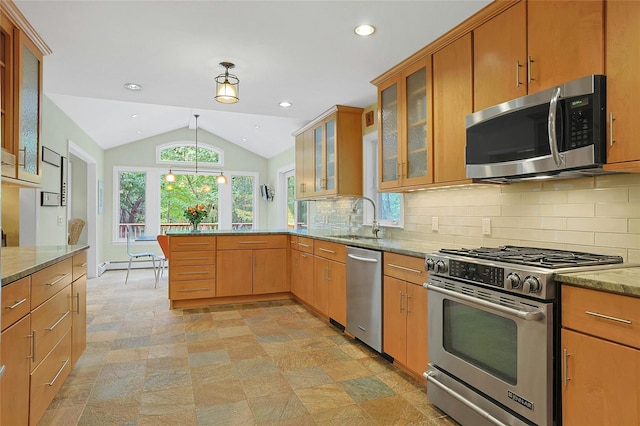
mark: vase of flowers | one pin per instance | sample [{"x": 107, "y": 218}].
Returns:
[{"x": 195, "y": 215}]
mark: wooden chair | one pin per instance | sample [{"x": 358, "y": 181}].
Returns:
[
  {"x": 163, "y": 240},
  {"x": 132, "y": 255}
]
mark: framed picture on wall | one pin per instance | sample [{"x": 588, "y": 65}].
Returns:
[
  {"x": 100, "y": 196},
  {"x": 64, "y": 169}
]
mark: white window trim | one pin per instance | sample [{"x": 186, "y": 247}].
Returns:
[
  {"x": 283, "y": 174},
  {"x": 370, "y": 183},
  {"x": 203, "y": 164},
  {"x": 225, "y": 199}
]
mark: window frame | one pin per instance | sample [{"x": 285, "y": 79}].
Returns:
[{"x": 205, "y": 165}]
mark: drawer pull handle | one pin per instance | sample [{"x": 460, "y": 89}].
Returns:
[
  {"x": 193, "y": 244},
  {"x": 415, "y": 271},
  {"x": 327, "y": 250},
  {"x": 82, "y": 266},
  {"x": 194, "y": 273},
  {"x": 15, "y": 305},
  {"x": 78, "y": 303},
  {"x": 66, "y": 314},
  {"x": 188, "y": 290},
  {"x": 195, "y": 258},
  {"x": 304, "y": 245},
  {"x": 595, "y": 314},
  {"x": 64, "y": 364},
  {"x": 252, "y": 242},
  {"x": 58, "y": 280}
]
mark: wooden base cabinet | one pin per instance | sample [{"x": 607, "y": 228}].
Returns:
[
  {"x": 600, "y": 357},
  {"x": 78, "y": 307},
  {"x": 16, "y": 356},
  {"x": 405, "y": 311},
  {"x": 330, "y": 282}
]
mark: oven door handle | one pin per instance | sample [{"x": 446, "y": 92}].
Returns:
[
  {"x": 525, "y": 315},
  {"x": 430, "y": 376}
]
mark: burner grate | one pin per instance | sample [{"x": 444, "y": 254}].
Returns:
[{"x": 545, "y": 258}]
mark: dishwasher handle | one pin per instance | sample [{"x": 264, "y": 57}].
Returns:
[{"x": 362, "y": 259}]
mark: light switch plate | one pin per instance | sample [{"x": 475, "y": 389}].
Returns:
[
  {"x": 486, "y": 226},
  {"x": 434, "y": 223}
]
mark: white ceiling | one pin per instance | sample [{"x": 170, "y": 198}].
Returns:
[{"x": 304, "y": 52}]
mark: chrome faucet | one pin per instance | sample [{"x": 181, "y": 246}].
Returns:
[{"x": 375, "y": 228}]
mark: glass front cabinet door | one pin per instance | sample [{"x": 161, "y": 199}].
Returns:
[
  {"x": 27, "y": 117},
  {"x": 324, "y": 143},
  {"x": 405, "y": 127}
]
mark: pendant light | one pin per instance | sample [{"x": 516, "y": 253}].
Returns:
[
  {"x": 227, "y": 85},
  {"x": 221, "y": 179}
]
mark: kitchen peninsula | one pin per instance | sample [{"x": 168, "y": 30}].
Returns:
[{"x": 44, "y": 323}]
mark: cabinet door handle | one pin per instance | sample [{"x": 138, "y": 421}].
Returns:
[
  {"x": 403, "y": 268},
  {"x": 64, "y": 364},
  {"x": 398, "y": 171},
  {"x": 15, "y": 305},
  {"x": 529, "y": 62},
  {"x": 33, "y": 346},
  {"x": 55, "y": 324},
  {"x": 401, "y": 307},
  {"x": 408, "y": 297},
  {"x": 611, "y": 120},
  {"x": 595, "y": 314},
  {"x": 565, "y": 376},
  {"x": 59, "y": 279},
  {"x": 2, "y": 369},
  {"x": 78, "y": 303},
  {"x": 327, "y": 250},
  {"x": 518, "y": 66}
]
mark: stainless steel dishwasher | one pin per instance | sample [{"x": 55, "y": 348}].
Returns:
[{"x": 364, "y": 296}]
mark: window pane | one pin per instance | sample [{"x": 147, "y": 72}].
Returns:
[
  {"x": 132, "y": 203},
  {"x": 302, "y": 220},
  {"x": 390, "y": 207},
  {"x": 186, "y": 191},
  {"x": 188, "y": 154},
  {"x": 242, "y": 202},
  {"x": 291, "y": 202}
]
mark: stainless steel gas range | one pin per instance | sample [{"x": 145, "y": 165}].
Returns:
[{"x": 493, "y": 331}]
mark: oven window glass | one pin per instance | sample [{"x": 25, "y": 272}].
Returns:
[{"x": 481, "y": 338}]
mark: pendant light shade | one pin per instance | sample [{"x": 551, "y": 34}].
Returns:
[
  {"x": 221, "y": 179},
  {"x": 227, "y": 86}
]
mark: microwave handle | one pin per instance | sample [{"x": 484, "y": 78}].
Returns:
[{"x": 551, "y": 127}]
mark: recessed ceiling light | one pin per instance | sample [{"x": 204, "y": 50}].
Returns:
[
  {"x": 285, "y": 104},
  {"x": 139, "y": 132},
  {"x": 133, "y": 86},
  {"x": 365, "y": 30},
  {"x": 135, "y": 115},
  {"x": 244, "y": 139},
  {"x": 256, "y": 127}
]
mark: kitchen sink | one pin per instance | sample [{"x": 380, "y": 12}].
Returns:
[{"x": 355, "y": 237}]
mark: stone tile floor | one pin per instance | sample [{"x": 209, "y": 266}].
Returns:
[{"x": 241, "y": 364}]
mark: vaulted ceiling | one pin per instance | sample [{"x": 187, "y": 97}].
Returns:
[{"x": 304, "y": 52}]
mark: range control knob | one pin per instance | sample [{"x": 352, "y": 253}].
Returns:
[
  {"x": 531, "y": 285},
  {"x": 440, "y": 267},
  {"x": 430, "y": 264},
  {"x": 513, "y": 280}
]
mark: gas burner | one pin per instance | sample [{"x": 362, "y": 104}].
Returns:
[{"x": 544, "y": 258}]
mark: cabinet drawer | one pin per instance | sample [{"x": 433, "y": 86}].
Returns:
[
  {"x": 293, "y": 242},
  {"x": 49, "y": 281},
  {"x": 405, "y": 268},
  {"x": 47, "y": 379},
  {"x": 193, "y": 258},
  {"x": 195, "y": 289},
  {"x": 252, "y": 242},
  {"x": 610, "y": 316},
  {"x": 15, "y": 301},
  {"x": 331, "y": 251},
  {"x": 201, "y": 243},
  {"x": 190, "y": 273},
  {"x": 305, "y": 244},
  {"x": 49, "y": 323},
  {"x": 79, "y": 265}
]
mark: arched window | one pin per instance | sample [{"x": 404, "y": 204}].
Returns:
[{"x": 184, "y": 154}]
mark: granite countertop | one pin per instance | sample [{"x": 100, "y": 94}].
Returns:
[
  {"x": 18, "y": 262},
  {"x": 624, "y": 280}
]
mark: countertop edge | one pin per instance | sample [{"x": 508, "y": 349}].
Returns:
[
  {"x": 39, "y": 265},
  {"x": 620, "y": 280}
]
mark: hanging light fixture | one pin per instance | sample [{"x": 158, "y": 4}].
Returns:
[
  {"x": 221, "y": 179},
  {"x": 227, "y": 85}
]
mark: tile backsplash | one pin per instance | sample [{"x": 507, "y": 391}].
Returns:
[{"x": 597, "y": 214}]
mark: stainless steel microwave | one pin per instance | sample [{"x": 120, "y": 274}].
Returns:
[{"x": 559, "y": 132}]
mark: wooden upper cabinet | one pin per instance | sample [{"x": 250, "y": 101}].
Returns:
[
  {"x": 623, "y": 83},
  {"x": 452, "y": 101},
  {"x": 566, "y": 41},
  {"x": 6, "y": 96},
  {"x": 406, "y": 127},
  {"x": 534, "y": 45},
  {"x": 329, "y": 154},
  {"x": 500, "y": 58}
]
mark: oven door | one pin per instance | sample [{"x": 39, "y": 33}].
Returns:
[{"x": 499, "y": 344}]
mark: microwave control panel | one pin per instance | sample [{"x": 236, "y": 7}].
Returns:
[{"x": 580, "y": 121}]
